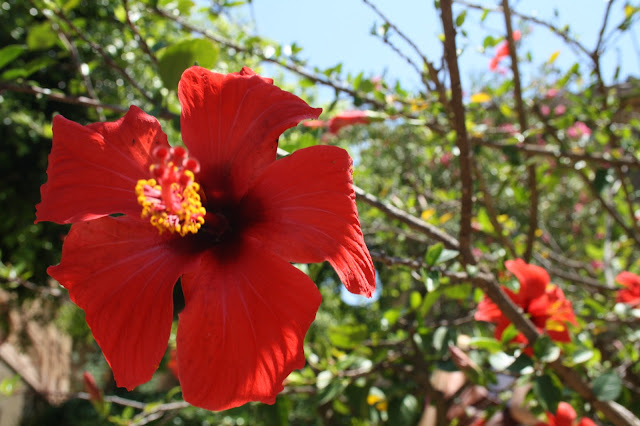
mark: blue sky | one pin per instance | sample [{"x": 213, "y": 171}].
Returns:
[{"x": 333, "y": 31}]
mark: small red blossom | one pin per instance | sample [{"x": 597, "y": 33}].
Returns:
[
  {"x": 224, "y": 216},
  {"x": 545, "y": 304},
  {"x": 172, "y": 364},
  {"x": 502, "y": 51},
  {"x": 348, "y": 118},
  {"x": 565, "y": 416},
  {"x": 631, "y": 293},
  {"x": 90, "y": 386},
  {"x": 315, "y": 124}
]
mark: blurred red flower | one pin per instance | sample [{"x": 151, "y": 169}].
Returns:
[
  {"x": 631, "y": 293},
  {"x": 348, "y": 118},
  {"x": 225, "y": 216},
  {"x": 544, "y": 303},
  {"x": 314, "y": 124},
  {"x": 565, "y": 416},
  {"x": 502, "y": 51}
]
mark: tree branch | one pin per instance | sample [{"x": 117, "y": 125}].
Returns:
[{"x": 459, "y": 124}]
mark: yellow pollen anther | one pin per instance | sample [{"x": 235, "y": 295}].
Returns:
[{"x": 171, "y": 202}]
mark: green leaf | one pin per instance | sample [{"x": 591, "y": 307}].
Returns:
[
  {"x": 433, "y": 254},
  {"x": 8, "y": 385},
  {"x": 460, "y": 18},
  {"x": 607, "y": 386},
  {"x": 547, "y": 392},
  {"x": 70, "y": 5},
  {"x": 404, "y": 412},
  {"x": 428, "y": 301},
  {"x": 488, "y": 343},
  {"x": 392, "y": 315},
  {"x": 582, "y": 355},
  {"x": 458, "y": 291},
  {"x": 11, "y": 52},
  {"x": 545, "y": 349},
  {"x": 415, "y": 299},
  {"x": 182, "y": 6},
  {"x": 522, "y": 365},
  {"x": 600, "y": 179},
  {"x": 41, "y": 36},
  {"x": 174, "y": 59},
  {"x": 509, "y": 334},
  {"x": 447, "y": 255},
  {"x": 28, "y": 69},
  {"x": 347, "y": 336}
]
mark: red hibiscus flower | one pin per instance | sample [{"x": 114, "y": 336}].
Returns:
[
  {"x": 565, "y": 416},
  {"x": 348, "y": 118},
  {"x": 631, "y": 293},
  {"x": 545, "y": 304},
  {"x": 224, "y": 216}
]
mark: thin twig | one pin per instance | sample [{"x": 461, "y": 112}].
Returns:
[
  {"x": 410, "y": 220},
  {"x": 532, "y": 181},
  {"x": 136, "y": 33},
  {"x": 562, "y": 33},
  {"x": 608, "y": 207},
  {"x": 291, "y": 67},
  {"x": 603, "y": 27},
  {"x": 491, "y": 211},
  {"x": 431, "y": 69},
  {"x": 74, "y": 100},
  {"x": 105, "y": 56},
  {"x": 604, "y": 160},
  {"x": 85, "y": 76}
]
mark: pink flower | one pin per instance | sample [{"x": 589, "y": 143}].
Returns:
[
  {"x": 551, "y": 93},
  {"x": 446, "y": 158},
  {"x": 578, "y": 130},
  {"x": 545, "y": 110},
  {"x": 560, "y": 109},
  {"x": 508, "y": 128}
]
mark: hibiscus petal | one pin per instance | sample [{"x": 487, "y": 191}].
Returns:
[
  {"x": 231, "y": 124},
  {"x": 305, "y": 211},
  {"x": 242, "y": 330},
  {"x": 93, "y": 170},
  {"x": 121, "y": 272},
  {"x": 533, "y": 280},
  {"x": 628, "y": 279},
  {"x": 488, "y": 311}
]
